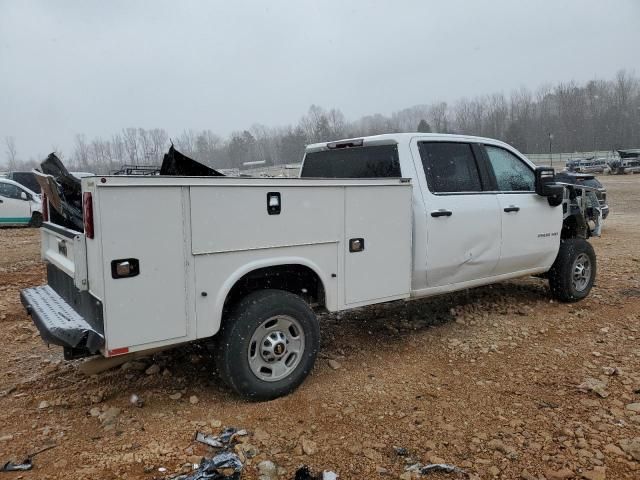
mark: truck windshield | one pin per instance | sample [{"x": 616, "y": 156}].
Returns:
[{"x": 358, "y": 162}]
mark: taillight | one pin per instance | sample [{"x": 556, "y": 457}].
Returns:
[
  {"x": 45, "y": 208},
  {"x": 87, "y": 214}
]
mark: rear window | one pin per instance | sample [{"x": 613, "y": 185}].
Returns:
[
  {"x": 356, "y": 162},
  {"x": 28, "y": 179}
]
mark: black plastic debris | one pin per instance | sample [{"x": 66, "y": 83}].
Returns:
[
  {"x": 178, "y": 164},
  {"x": 401, "y": 451},
  {"x": 441, "y": 467},
  {"x": 305, "y": 473},
  {"x": 63, "y": 191},
  {"x": 436, "y": 467},
  {"x": 27, "y": 464}
]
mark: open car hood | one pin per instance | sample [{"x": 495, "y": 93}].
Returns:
[
  {"x": 175, "y": 163},
  {"x": 63, "y": 191}
]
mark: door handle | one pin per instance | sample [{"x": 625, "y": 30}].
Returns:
[
  {"x": 441, "y": 213},
  {"x": 512, "y": 208}
]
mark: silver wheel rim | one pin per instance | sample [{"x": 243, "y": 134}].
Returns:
[
  {"x": 276, "y": 348},
  {"x": 581, "y": 272}
]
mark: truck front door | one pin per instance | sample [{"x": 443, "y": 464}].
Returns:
[
  {"x": 530, "y": 226},
  {"x": 463, "y": 221}
]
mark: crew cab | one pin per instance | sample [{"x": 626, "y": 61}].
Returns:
[{"x": 249, "y": 262}]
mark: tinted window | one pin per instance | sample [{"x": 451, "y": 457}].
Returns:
[
  {"x": 450, "y": 167},
  {"x": 512, "y": 174},
  {"x": 356, "y": 162},
  {"x": 28, "y": 179},
  {"x": 9, "y": 191}
]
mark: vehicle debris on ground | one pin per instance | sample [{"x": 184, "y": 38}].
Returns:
[
  {"x": 225, "y": 464},
  {"x": 26, "y": 464}
]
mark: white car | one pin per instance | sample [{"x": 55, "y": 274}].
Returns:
[{"x": 19, "y": 205}]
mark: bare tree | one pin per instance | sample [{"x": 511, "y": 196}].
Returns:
[
  {"x": 597, "y": 115},
  {"x": 159, "y": 139},
  {"x": 12, "y": 152},
  {"x": 130, "y": 138},
  {"x": 81, "y": 152}
]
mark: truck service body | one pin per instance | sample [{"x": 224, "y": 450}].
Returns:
[{"x": 168, "y": 260}]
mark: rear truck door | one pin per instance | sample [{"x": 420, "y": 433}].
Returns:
[
  {"x": 463, "y": 221},
  {"x": 144, "y": 263},
  {"x": 13, "y": 209},
  {"x": 530, "y": 226}
]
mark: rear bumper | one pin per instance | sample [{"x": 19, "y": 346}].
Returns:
[{"x": 58, "y": 322}]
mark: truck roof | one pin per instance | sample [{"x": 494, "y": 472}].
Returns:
[{"x": 387, "y": 138}]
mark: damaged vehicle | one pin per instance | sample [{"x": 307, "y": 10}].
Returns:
[
  {"x": 152, "y": 262},
  {"x": 628, "y": 161},
  {"x": 597, "y": 197}
]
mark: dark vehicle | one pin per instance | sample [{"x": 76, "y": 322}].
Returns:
[
  {"x": 589, "y": 181},
  {"x": 28, "y": 179}
]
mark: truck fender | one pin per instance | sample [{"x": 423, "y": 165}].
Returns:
[{"x": 330, "y": 295}]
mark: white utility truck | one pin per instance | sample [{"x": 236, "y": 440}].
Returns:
[{"x": 249, "y": 261}]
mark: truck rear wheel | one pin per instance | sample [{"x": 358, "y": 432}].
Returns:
[
  {"x": 574, "y": 271},
  {"x": 267, "y": 344}
]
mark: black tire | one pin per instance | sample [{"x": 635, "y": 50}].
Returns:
[
  {"x": 36, "y": 220},
  {"x": 235, "y": 345},
  {"x": 572, "y": 253}
]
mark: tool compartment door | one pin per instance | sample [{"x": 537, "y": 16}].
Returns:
[
  {"x": 381, "y": 217},
  {"x": 145, "y": 224}
]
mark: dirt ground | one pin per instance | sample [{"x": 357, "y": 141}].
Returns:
[{"x": 485, "y": 379}]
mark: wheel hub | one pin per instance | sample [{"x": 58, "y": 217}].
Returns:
[
  {"x": 276, "y": 348},
  {"x": 273, "y": 346},
  {"x": 581, "y": 272}
]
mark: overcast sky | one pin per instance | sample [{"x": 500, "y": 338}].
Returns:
[{"x": 94, "y": 67}]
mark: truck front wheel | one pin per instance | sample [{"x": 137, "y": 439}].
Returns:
[
  {"x": 574, "y": 271},
  {"x": 267, "y": 344}
]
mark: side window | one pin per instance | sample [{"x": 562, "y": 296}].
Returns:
[
  {"x": 450, "y": 167},
  {"x": 9, "y": 191},
  {"x": 512, "y": 174}
]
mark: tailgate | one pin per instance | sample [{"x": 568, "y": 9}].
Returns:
[{"x": 67, "y": 250}]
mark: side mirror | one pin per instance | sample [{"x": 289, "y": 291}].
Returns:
[
  {"x": 546, "y": 186},
  {"x": 23, "y": 196}
]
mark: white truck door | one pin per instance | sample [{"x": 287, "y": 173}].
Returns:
[
  {"x": 377, "y": 245},
  {"x": 145, "y": 227},
  {"x": 463, "y": 221},
  {"x": 530, "y": 226},
  {"x": 13, "y": 209}
]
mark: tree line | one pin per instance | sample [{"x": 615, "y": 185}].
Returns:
[{"x": 596, "y": 115}]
